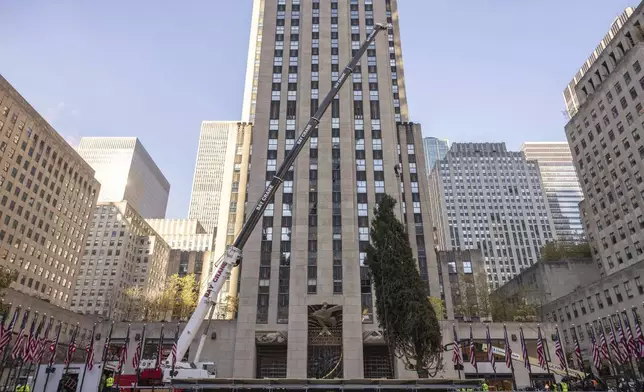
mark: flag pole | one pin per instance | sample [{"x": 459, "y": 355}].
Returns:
[
  {"x": 490, "y": 352},
  {"x": 174, "y": 351},
  {"x": 52, "y": 358},
  {"x": 121, "y": 359},
  {"x": 457, "y": 349},
  {"x": 34, "y": 343},
  {"x": 577, "y": 347},
  {"x": 4, "y": 349},
  {"x": 140, "y": 358},
  {"x": 563, "y": 352},
  {"x": 90, "y": 355},
  {"x": 106, "y": 348},
  {"x": 507, "y": 341},
  {"x": 625, "y": 343},
  {"x": 25, "y": 350},
  {"x": 473, "y": 353},
  {"x": 158, "y": 365},
  {"x": 41, "y": 349},
  {"x": 546, "y": 354},
  {"x": 524, "y": 351},
  {"x": 23, "y": 325},
  {"x": 69, "y": 355},
  {"x": 611, "y": 364}
]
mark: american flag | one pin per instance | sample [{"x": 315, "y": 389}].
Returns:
[
  {"x": 89, "y": 363},
  {"x": 174, "y": 348},
  {"x": 540, "y": 353},
  {"x": 559, "y": 352},
  {"x": 524, "y": 351},
  {"x": 7, "y": 333},
  {"x": 621, "y": 341},
  {"x": 136, "y": 359},
  {"x": 580, "y": 360},
  {"x": 615, "y": 347},
  {"x": 108, "y": 340},
  {"x": 26, "y": 347},
  {"x": 597, "y": 361},
  {"x": 16, "y": 352},
  {"x": 473, "y": 351},
  {"x": 490, "y": 350},
  {"x": 44, "y": 341},
  {"x": 603, "y": 346},
  {"x": 457, "y": 358},
  {"x": 71, "y": 349},
  {"x": 632, "y": 346},
  {"x": 123, "y": 357},
  {"x": 159, "y": 350},
  {"x": 508, "y": 349},
  {"x": 54, "y": 345},
  {"x": 33, "y": 341},
  {"x": 639, "y": 338}
]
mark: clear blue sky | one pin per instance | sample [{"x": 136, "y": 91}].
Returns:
[{"x": 476, "y": 70}]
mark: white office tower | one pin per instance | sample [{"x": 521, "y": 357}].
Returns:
[
  {"x": 561, "y": 185},
  {"x": 491, "y": 199},
  {"x": 127, "y": 172}
]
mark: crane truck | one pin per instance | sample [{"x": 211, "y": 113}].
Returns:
[{"x": 232, "y": 257}]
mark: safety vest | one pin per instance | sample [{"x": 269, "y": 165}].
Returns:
[
  {"x": 485, "y": 386},
  {"x": 22, "y": 388},
  {"x": 109, "y": 382},
  {"x": 564, "y": 387}
]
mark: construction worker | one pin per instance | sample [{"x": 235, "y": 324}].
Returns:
[
  {"x": 564, "y": 386},
  {"x": 485, "y": 387},
  {"x": 22, "y": 388},
  {"x": 109, "y": 382}
]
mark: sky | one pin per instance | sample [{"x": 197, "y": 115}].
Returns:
[{"x": 475, "y": 70}]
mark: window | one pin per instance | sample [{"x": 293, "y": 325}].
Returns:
[
  {"x": 638, "y": 283},
  {"x": 628, "y": 290},
  {"x": 618, "y": 294},
  {"x": 467, "y": 267},
  {"x": 609, "y": 299}
]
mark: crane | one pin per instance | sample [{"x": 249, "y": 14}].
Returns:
[{"x": 232, "y": 257}]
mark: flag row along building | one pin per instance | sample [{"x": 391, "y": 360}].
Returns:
[{"x": 84, "y": 231}]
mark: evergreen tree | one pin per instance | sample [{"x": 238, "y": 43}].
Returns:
[{"x": 405, "y": 316}]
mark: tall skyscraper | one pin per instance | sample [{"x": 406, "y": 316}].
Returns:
[
  {"x": 219, "y": 159},
  {"x": 219, "y": 188},
  {"x": 47, "y": 200},
  {"x": 435, "y": 150},
  {"x": 605, "y": 135},
  {"x": 127, "y": 172},
  {"x": 491, "y": 199},
  {"x": 309, "y": 248},
  {"x": 561, "y": 185}
]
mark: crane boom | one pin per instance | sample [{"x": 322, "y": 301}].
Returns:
[{"x": 232, "y": 257}]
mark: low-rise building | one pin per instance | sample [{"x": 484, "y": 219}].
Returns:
[
  {"x": 122, "y": 252},
  {"x": 618, "y": 293},
  {"x": 220, "y": 345},
  {"x": 546, "y": 281}
]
